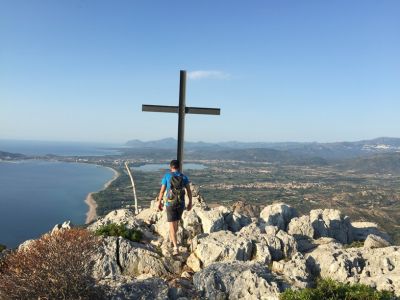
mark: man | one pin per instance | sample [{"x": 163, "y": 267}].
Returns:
[{"x": 172, "y": 193}]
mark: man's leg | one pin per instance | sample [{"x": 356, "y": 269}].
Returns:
[
  {"x": 173, "y": 227},
  {"x": 176, "y": 223}
]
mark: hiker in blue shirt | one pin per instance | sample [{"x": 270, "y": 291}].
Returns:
[{"x": 172, "y": 196}]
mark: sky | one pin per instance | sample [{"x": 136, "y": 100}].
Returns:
[{"x": 279, "y": 70}]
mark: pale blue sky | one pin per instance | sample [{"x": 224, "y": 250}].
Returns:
[{"x": 279, "y": 70}]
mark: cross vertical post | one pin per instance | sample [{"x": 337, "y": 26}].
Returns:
[
  {"x": 181, "y": 117},
  {"x": 182, "y": 110}
]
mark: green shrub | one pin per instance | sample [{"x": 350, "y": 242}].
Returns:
[
  {"x": 2, "y": 247},
  {"x": 121, "y": 230},
  {"x": 354, "y": 244},
  {"x": 332, "y": 290}
]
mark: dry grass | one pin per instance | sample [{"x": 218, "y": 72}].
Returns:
[{"x": 52, "y": 267}]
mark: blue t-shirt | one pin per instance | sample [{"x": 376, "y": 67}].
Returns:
[{"x": 167, "y": 181}]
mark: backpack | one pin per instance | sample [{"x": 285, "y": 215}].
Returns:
[{"x": 176, "y": 195}]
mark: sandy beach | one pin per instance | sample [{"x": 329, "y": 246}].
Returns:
[{"x": 91, "y": 215}]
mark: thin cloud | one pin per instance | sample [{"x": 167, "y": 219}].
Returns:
[{"x": 211, "y": 74}]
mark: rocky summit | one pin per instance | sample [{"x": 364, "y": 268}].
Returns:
[{"x": 229, "y": 253}]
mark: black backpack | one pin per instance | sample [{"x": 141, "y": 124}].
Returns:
[{"x": 177, "y": 192}]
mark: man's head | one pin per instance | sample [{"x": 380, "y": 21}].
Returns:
[{"x": 174, "y": 165}]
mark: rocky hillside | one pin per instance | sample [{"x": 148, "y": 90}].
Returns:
[{"x": 241, "y": 252}]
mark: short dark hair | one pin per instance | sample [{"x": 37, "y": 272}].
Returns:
[{"x": 174, "y": 164}]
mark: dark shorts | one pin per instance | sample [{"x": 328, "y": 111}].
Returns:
[{"x": 174, "y": 213}]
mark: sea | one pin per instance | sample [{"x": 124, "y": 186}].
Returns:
[{"x": 35, "y": 194}]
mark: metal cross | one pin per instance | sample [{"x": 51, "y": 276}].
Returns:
[{"x": 182, "y": 110}]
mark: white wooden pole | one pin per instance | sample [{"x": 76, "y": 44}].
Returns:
[{"x": 133, "y": 186}]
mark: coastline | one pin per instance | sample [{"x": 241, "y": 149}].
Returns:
[{"x": 91, "y": 214}]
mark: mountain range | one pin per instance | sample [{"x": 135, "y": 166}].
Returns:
[{"x": 328, "y": 151}]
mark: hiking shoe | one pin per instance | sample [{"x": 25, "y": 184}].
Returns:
[{"x": 175, "y": 251}]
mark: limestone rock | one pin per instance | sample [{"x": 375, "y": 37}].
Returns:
[
  {"x": 193, "y": 262},
  {"x": 375, "y": 241},
  {"x": 377, "y": 267},
  {"x": 136, "y": 259},
  {"x": 279, "y": 243},
  {"x": 212, "y": 220},
  {"x": 301, "y": 228},
  {"x": 236, "y": 221},
  {"x": 246, "y": 209},
  {"x": 294, "y": 271},
  {"x": 142, "y": 289},
  {"x": 222, "y": 246},
  {"x": 117, "y": 256},
  {"x": 191, "y": 224},
  {"x": 237, "y": 280},
  {"x": 278, "y": 214},
  {"x": 331, "y": 223},
  {"x": 288, "y": 243},
  {"x": 149, "y": 215},
  {"x": 105, "y": 263},
  {"x": 182, "y": 289},
  {"x": 26, "y": 245},
  {"x": 382, "y": 268},
  {"x": 336, "y": 263},
  {"x": 60, "y": 227},
  {"x": 118, "y": 216},
  {"x": 361, "y": 230}
]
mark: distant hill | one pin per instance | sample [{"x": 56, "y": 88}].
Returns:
[
  {"x": 327, "y": 151},
  {"x": 9, "y": 156}
]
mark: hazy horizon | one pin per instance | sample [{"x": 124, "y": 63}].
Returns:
[{"x": 122, "y": 143}]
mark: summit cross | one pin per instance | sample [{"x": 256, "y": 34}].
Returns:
[{"x": 181, "y": 110}]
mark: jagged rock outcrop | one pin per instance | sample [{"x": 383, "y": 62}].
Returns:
[
  {"x": 220, "y": 246},
  {"x": 377, "y": 267},
  {"x": 278, "y": 214},
  {"x": 236, "y": 221},
  {"x": 117, "y": 256},
  {"x": 361, "y": 230},
  {"x": 238, "y": 280},
  {"x": 294, "y": 271},
  {"x": 246, "y": 209},
  {"x": 141, "y": 289},
  {"x": 270, "y": 242},
  {"x": 65, "y": 225},
  {"x": 322, "y": 223},
  {"x": 212, "y": 220},
  {"x": 331, "y": 223},
  {"x": 301, "y": 227},
  {"x": 375, "y": 241}
]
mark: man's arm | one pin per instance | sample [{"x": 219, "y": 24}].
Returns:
[
  {"x": 189, "y": 193},
  {"x": 160, "y": 196}
]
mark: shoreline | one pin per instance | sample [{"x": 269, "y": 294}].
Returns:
[{"x": 91, "y": 214}]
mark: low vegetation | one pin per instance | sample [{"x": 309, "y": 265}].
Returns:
[
  {"x": 332, "y": 290},
  {"x": 354, "y": 244},
  {"x": 2, "y": 247},
  {"x": 52, "y": 267},
  {"x": 121, "y": 230}
]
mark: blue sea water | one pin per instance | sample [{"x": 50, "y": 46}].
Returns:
[
  {"x": 36, "y": 195},
  {"x": 58, "y": 148}
]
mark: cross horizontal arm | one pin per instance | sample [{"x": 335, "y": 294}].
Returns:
[
  {"x": 160, "y": 108},
  {"x": 175, "y": 109},
  {"x": 203, "y": 111}
]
